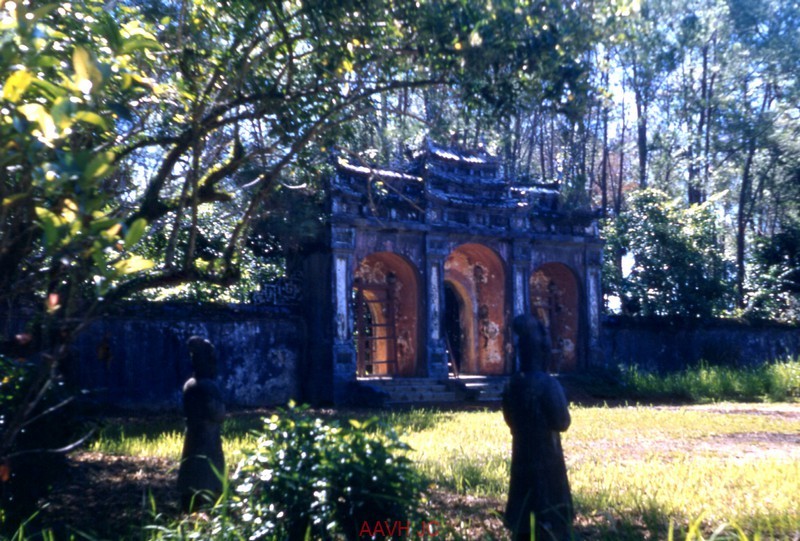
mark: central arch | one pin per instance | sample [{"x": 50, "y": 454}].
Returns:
[
  {"x": 476, "y": 278},
  {"x": 456, "y": 320}
]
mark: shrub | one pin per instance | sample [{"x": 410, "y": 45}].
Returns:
[
  {"x": 311, "y": 477},
  {"x": 784, "y": 380}
]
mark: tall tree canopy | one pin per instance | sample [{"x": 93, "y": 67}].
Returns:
[
  {"x": 149, "y": 137},
  {"x": 703, "y": 103},
  {"x": 141, "y": 140}
]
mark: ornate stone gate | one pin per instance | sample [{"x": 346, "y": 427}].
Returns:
[{"x": 424, "y": 267}]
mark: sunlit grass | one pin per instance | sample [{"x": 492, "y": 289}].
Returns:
[
  {"x": 163, "y": 438},
  {"x": 641, "y": 466},
  {"x": 776, "y": 382},
  {"x": 633, "y": 470}
]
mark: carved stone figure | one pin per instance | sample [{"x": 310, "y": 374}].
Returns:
[
  {"x": 202, "y": 461},
  {"x": 535, "y": 409}
]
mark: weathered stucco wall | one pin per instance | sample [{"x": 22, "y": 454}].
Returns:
[
  {"x": 139, "y": 357},
  {"x": 666, "y": 345}
]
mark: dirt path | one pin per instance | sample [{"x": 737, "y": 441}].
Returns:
[{"x": 106, "y": 496}]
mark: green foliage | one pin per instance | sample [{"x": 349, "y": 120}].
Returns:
[
  {"x": 776, "y": 276},
  {"x": 308, "y": 475},
  {"x": 294, "y": 221},
  {"x": 68, "y": 81},
  {"x": 296, "y": 476},
  {"x": 12, "y": 385},
  {"x": 182, "y": 121},
  {"x": 777, "y": 382},
  {"x": 784, "y": 381},
  {"x": 69, "y": 74},
  {"x": 678, "y": 266}
]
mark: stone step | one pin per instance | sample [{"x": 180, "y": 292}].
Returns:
[
  {"x": 412, "y": 390},
  {"x": 484, "y": 388},
  {"x": 422, "y": 397},
  {"x": 399, "y": 382},
  {"x": 488, "y": 391},
  {"x": 423, "y": 390}
]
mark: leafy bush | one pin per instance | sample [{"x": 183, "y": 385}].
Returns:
[
  {"x": 677, "y": 266},
  {"x": 784, "y": 380},
  {"x": 307, "y": 476}
]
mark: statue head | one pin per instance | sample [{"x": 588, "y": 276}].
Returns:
[
  {"x": 532, "y": 343},
  {"x": 203, "y": 356}
]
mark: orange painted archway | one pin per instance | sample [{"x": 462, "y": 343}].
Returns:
[
  {"x": 475, "y": 275},
  {"x": 387, "y": 320},
  {"x": 555, "y": 299}
]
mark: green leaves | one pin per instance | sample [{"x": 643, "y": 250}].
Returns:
[
  {"x": 87, "y": 73},
  {"x": 140, "y": 42},
  {"x": 16, "y": 85},
  {"x": 677, "y": 266},
  {"x": 93, "y": 118},
  {"x": 50, "y": 224},
  {"x": 133, "y": 265},
  {"x": 135, "y": 232},
  {"x": 99, "y": 166},
  {"x": 317, "y": 475},
  {"x": 38, "y": 114},
  {"x": 70, "y": 74}
]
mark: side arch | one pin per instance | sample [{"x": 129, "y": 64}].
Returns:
[
  {"x": 555, "y": 298},
  {"x": 387, "y": 319}
]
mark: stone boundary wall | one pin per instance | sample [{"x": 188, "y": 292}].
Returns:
[
  {"x": 138, "y": 358},
  {"x": 665, "y": 345}
]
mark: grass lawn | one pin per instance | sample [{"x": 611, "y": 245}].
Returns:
[{"x": 633, "y": 470}]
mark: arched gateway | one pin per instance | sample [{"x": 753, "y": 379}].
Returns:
[
  {"x": 475, "y": 316},
  {"x": 420, "y": 271},
  {"x": 555, "y": 300},
  {"x": 385, "y": 307}
]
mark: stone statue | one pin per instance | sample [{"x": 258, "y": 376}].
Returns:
[
  {"x": 535, "y": 409},
  {"x": 202, "y": 461}
]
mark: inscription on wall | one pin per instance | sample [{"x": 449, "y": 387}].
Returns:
[{"x": 280, "y": 292}]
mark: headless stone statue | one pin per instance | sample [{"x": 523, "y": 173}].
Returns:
[
  {"x": 535, "y": 409},
  {"x": 198, "y": 482}
]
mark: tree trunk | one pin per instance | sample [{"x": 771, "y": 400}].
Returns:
[
  {"x": 621, "y": 180},
  {"x": 744, "y": 212},
  {"x": 742, "y": 218},
  {"x": 542, "y": 160},
  {"x": 641, "y": 136},
  {"x": 604, "y": 166}
]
